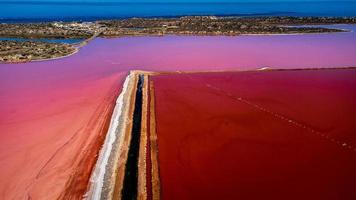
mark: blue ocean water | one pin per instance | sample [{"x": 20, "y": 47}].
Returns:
[{"x": 15, "y": 11}]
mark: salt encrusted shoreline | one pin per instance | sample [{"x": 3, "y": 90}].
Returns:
[
  {"x": 103, "y": 180},
  {"x": 97, "y": 178}
]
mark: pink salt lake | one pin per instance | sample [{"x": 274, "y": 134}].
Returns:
[{"x": 51, "y": 111}]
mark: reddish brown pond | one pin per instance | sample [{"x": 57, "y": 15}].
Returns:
[{"x": 257, "y": 135}]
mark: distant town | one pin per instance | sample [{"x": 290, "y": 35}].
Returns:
[{"x": 24, "y": 51}]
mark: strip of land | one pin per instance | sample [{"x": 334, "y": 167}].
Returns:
[
  {"x": 190, "y": 25},
  {"x": 13, "y": 52},
  {"x": 16, "y": 51}
]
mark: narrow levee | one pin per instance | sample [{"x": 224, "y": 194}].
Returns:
[
  {"x": 129, "y": 190},
  {"x": 120, "y": 172}
]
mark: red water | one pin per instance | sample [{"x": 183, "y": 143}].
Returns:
[
  {"x": 257, "y": 135},
  {"x": 51, "y": 112}
]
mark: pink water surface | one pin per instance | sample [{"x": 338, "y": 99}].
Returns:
[{"x": 51, "y": 111}]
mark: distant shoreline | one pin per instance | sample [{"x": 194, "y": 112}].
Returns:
[
  {"x": 94, "y": 19},
  {"x": 40, "y": 11},
  {"x": 17, "y": 51}
]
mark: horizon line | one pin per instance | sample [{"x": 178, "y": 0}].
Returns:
[{"x": 162, "y": 2}]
